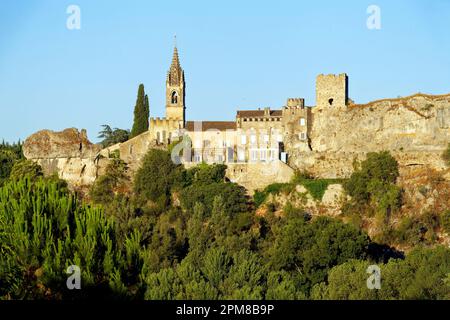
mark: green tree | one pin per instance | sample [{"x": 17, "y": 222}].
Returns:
[
  {"x": 108, "y": 185},
  {"x": 147, "y": 108},
  {"x": 44, "y": 229},
  {"x": 141, "y": 113},
  {"x": 378, "y": 168},
  {"x": 25, "y": 168},
  {"x": 281, "y": 286},
  {"x": 9, "y": 154},
  {"x": 372, "y": 187},
  {"x": 446, "y": 155},
  {"x": 233, "y": 197},
  {"x": 207, "y": 174},
  {"x": 112, "y": 136},
  {"x": 163, "y": 285},
  {"x": 154, "y": 179},
  {"x": 445, "y": 221},
  {"x": 420, "y": 276},
  {"x": 347, "y": 281},
  {"x": 309, "y": 249},
  {"x": 245, "y": 278}
]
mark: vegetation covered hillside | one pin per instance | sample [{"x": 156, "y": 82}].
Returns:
[{"x": 172, "y": 233}]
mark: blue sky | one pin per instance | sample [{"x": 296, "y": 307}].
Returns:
[{"x": 235, "y": 55}]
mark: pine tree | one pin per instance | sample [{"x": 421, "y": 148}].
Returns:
[{"x": 141, "y": 113}]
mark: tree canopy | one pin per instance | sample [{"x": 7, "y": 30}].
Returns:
[{"x": 141, "y": 113}]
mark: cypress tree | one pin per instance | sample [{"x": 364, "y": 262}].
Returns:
[
  {"x": 141, "y": 113},
  {"x": 147, "y": 109}
]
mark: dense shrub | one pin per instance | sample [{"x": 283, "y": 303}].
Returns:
[
  {"x": 45, "y": 229},
  {"x": 420, "y": 276},
  {"x": 107, "y": 185},
  {"x": 9, "y": 154},
  {"x": 155, "y": 178},
  {"x": 379, "y": 170},
  {"x": 233, "y": 196},
  {"x": 372, "y": 186},
  {"x": 445, "y": 221},
  {"x": 25, "y": 168},
  {"x": 316, "y": 246},
  {"x": 315, "y": 187},
  {"x": 446, "y": 155},
  {"x": 276, "y": 188}
]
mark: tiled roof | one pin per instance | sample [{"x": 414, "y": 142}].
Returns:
[
  {"x": 208, "y": 125},
  {"x": 257, "y": 113}
]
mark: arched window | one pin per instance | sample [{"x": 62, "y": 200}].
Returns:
[
  {"x": 158, "y": 136},
  {"x": 174, "y": 98}
]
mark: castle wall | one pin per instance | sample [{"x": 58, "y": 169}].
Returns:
[
  {"x": 331, "y": 91},
  {"x": 296, "y": 125},
  {"x": 164, "y": 130},
  {"x": 258, "y": 175},
  {"x": 414, "y": 129}
]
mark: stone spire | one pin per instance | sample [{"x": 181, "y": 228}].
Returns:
[
  {"x": 175, "y": 90},
  {"x": 175, "y": 74}
]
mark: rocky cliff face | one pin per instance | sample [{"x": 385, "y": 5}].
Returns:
[
  {"x": 416, "y": 123},
  {"x": 68, "y": 153},
  {"x": 69, "y": 143},
  {"x": 75, "y": 159},
  {"x": 415, "y": 129}
]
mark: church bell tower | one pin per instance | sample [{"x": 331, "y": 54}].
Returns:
[{"x": 175, "y": 91}]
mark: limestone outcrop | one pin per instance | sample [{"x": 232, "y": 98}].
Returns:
[
  {"x": 415, "y": 129},
  {"x": 69, "y": 143},
  {"x": 68, "y": 153}
]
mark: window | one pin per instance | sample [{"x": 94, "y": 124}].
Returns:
[
  {"x": 241, "y": 155},
  {"x": 243, "y": 139},
  {"x": 219, "y": 158},
  {"x": 330, "y": 101},
  {"x": 280, "y": 138},
  {"x": 263, "y": 155},
  {"x": 197, "y": 157},
  {"x": 266, "y": 138},
  {"x": 253, "y": 138},
  {"x": 230, "y": 155},
  {"x": 271, "y": 155},
  {"x": 254, "y": 155},
  {"x": 302, "y": 136},
  {"x": 302, "y": 122},
  {"x": 174, "y": 98}
]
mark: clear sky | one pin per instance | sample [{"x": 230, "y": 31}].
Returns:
[{"x": 236, "y": 54}]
